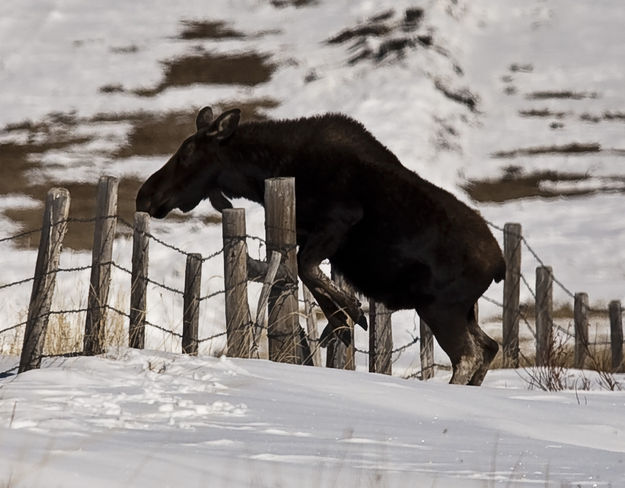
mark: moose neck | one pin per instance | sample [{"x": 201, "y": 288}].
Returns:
[{"x": 255, "y": 153}]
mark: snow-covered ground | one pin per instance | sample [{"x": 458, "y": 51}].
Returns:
[
  {"x": 133, "y": 419},
  {"x": 142, "y": 418}
]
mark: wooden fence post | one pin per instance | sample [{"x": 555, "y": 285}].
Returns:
[
  {"x": 580, "y": 320},
  {"x": 616, "y": 335},
  {"x": 238, "y": 322},
  {"x": 52, "y": 233},
  {"x": 286, "y": 342},
  {"x": 139, "y": 282},
  {"x": 102, "y": 255},
  {"x": 426, "y": 351},
  {"x": 311, "y": 326},
  {"x": 380, "y": 338},
  {"x": 191, "y": 304},
  {"x": 339, "y": 355},
  {"x": 544, "y": 315},
  {"x": 511, "y": 294}
]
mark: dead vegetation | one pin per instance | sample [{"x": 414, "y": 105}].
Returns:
[{"x": 396, "y": 34}]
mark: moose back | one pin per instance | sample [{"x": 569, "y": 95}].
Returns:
[{"x": 394, "y": 236}]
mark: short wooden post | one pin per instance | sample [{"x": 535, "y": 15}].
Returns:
[
  {"x": 285, "y": 338},
  {"x": 511, "y": 294},
  {"x": 238, "y": 321},
  {"x": 544, "y": 315},
  {"x": 616, "y": 335},
  {"x": 426, "y": 350},
  {"x": 191, "y": 304},
  {"x": 101, "y": 258},
  {"x": 380, "y": 338},
  {"x": 52, "y": 233},
  {"x": 139, "y": 280},
  {"x": 340, "y": 356},
  {"x": 311, "y": 326},
  {"x": 580, "y": 320}
]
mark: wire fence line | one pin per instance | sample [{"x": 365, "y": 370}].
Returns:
[{"x": 179, "y": 292}]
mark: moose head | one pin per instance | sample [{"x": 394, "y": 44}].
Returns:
[{"x": 191, "y": 173}]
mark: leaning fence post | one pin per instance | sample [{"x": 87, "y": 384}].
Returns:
[
  {"x": 139, "y": 280},
  {"x": 580, "y": 320},
  {"x": 102, "y": 255},
  {"x": 616, "y": 335},
  {"x": 544, "y": 317},
  {"x": 286, "y": 343},
  {"x": 511, "y": 294},
  {"x": 52, "y": 233},
  {"x": 426, "y": 351},
  {"x": 311, "y": 326},
  {"x": 191, "y": 304},
  {"x": 238, "y": 322},
  {"x": 340, "y": 356},
  {"x": 380, "y": 338}
]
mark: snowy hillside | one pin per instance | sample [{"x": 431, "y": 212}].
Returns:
[{"x": 515, "y": 107}]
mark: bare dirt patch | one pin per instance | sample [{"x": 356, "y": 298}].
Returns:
[
  {"x": 572, "y": 148},
  {"x": 162, "y": 134},
  {"x": 207, "y": 29},
  {"x": 247, "y": 69},
  {"x": 565, "y": 94},
  {"x": 513, "y": 184},
  {"x": 152, "y": 134},
  {"x": 544, "y": 112}
]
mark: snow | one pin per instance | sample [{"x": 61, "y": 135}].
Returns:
[
  {"x": 145, "y": 418},
  {"x": 155, "y": 418}
]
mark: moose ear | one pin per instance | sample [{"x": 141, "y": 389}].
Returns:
[
  {"x": 204, "y": 118},
  {"x": 225, "y": 125}
]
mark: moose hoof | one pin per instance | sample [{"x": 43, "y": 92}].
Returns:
[{"x": 362, "y": 320}]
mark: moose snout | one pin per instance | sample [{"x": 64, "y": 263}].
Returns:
[{"x": 143, "y": 202}]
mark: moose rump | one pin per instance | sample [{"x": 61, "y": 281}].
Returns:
[{"x": 394, "y": 236}]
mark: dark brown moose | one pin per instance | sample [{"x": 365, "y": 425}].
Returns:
[{"x": 394, "y": 236}]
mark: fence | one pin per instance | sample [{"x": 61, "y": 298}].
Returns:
[{"x": 279, "y": 333}]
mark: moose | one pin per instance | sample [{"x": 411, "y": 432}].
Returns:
[{"x": 394, "y": 236}]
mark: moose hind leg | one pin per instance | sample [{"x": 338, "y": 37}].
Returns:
[
  {"x": 454, "y": 334},
  {"x": 488, "y": 348}
]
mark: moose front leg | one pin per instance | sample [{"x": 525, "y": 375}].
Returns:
[{"x": 336, "y": 304}]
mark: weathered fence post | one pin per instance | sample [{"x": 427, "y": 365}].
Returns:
[
  {"x": 238, "y": 322},
  {"x": 311, "y": 326},
  {"x": 426, "y": 351},
  {"x": 286, "y": 342},
  {"x": 191, "y": 304},
  {"x": 139, "y": 281},
  {"x": 511, "y": 294},
  {"x": 580, "y": 320},
  {"x": 102, "y": 255},
  {"x": 52, "y": 233},
  {"x": 338, "y": 355},
  {"x": 544, "y": 315},
  {"x": 616, "y": 335},
  {"x": 380, "y": 338}
]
